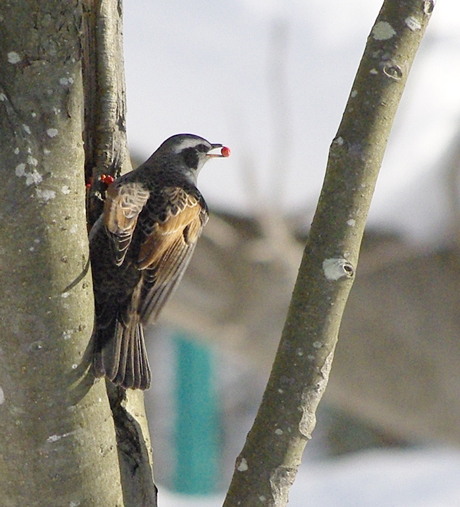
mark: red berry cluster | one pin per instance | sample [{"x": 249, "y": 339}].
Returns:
[{"x": 107, "y": 179}]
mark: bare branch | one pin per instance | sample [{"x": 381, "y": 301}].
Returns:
[
  {"x": 105, "y": 97},
  {"x": 268, "y": 463},
  {"x": 107, "y": 152}
]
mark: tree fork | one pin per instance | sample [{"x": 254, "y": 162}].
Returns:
[{"x": 60, "y": 445}]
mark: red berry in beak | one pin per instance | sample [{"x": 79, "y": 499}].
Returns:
[{"x": 225, "y": 152}]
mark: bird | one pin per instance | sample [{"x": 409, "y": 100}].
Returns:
[{"x": 140, "y": 247}]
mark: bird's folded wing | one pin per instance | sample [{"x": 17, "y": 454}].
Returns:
[
  {"x": 164, "y": 255},
  {"x": 122, "y": 206}
]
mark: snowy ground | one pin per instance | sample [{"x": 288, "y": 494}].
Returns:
[{"x": 409, "y": 478}]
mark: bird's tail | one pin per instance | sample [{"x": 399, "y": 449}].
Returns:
[{"x": 120, "y": 353}]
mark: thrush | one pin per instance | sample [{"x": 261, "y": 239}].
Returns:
[{"x": 140, "y": 247}]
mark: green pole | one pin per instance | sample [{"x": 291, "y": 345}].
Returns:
[{"x": 196, "y": 423}]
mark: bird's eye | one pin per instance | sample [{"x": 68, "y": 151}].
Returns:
[{"x": 202, "y": 148}]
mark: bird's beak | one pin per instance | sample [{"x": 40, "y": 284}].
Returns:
[
  {"x": 224, "y": 152},
  {"x": 213, "y": 155}
]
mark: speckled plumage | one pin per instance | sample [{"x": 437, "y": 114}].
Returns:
[{"x": 139, "y": 249}]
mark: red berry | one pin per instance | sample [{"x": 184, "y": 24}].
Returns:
[
  {"x": 225, "y": 152},
  {"x": 107, "y": 179}
]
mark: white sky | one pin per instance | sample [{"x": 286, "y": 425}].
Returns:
[{"x": 203, "y": 67}]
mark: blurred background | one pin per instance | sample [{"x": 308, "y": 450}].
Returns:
[{"x": 270, "y": 80}]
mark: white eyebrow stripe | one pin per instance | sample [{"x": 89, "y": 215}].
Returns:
[{"x": 189, "y": 143}]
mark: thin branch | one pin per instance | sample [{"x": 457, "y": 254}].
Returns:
[{"x": 268, "y": 463}]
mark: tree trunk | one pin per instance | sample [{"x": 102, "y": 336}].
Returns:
[{"x": 59, "y": 445}]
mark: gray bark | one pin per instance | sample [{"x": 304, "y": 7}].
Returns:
[
  {"x": 268, "y": 463},
  {"x": 59, "y": 445}
]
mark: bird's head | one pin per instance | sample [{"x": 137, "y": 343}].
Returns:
[{"x": 191, "y": 152}]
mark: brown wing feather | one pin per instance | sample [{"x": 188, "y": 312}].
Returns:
[
  {"x": 167, "y": 251},
  {"x": 122, "y": 206},
  {"x": 170, "y": 235},
  {"x": 158, "y": 291}
]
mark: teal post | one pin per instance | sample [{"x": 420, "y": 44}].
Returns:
[{"x": 196, "y": 425}]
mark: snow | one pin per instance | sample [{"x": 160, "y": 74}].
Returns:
[{"x": 409, "y": 478}]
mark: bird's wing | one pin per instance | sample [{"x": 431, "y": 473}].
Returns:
[
  {"x": 165, "y": 253},
  {"x": 122, "y": 206}
]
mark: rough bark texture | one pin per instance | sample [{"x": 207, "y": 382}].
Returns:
[
  {"x": 59, "y": 445},
  {"x": 105, "y": 97},
  {"x": 268, "y": 463},
  {"x": 106, "y": 152},
  {"x": 49, "y": 412}
]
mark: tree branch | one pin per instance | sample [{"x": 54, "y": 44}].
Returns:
[
  {"x": 105, "y": 97},
  {"x": 107, "y": 152},
  {"x": 268, "y": 463}
]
